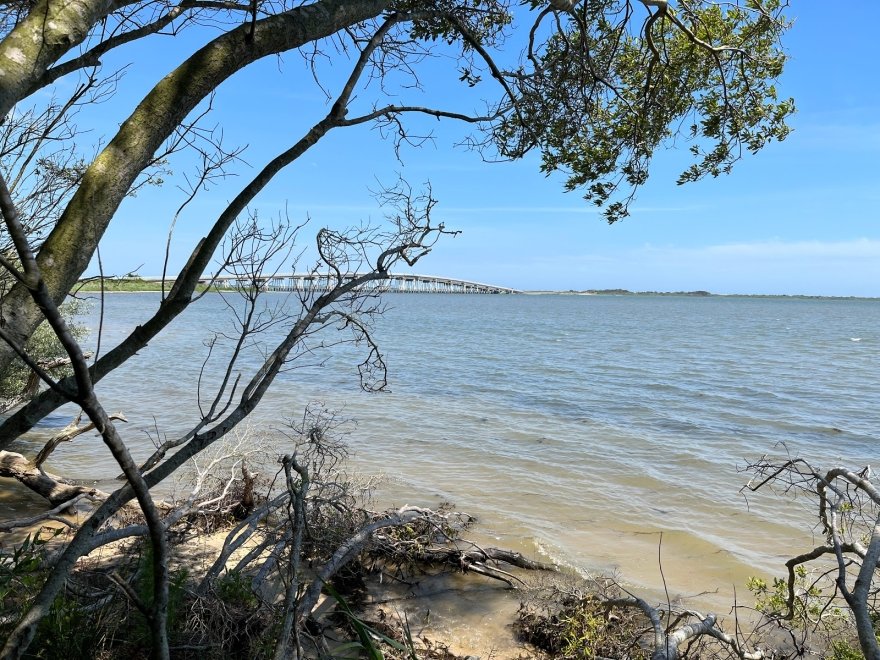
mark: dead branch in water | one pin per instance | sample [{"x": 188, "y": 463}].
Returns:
[
  {"x": 68, "y": 433},
  {"x": 55, "y": 489}
]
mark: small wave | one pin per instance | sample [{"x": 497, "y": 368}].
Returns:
[
  {"x": 554, "y": 556},
  {"x": 855, "y": 339}
]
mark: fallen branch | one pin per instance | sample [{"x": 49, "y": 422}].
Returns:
[
  {"x": 52, "y": 487},
  {"x": 445, "y": 552},
  {"x": 667, "y": 642},
  {"x": 482, "y": 561},
  {"x": 67, "y": 434},
  {"x": 348, "y": 550}
]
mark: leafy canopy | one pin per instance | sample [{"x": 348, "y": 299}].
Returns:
[{"x": 610, "y": 85}]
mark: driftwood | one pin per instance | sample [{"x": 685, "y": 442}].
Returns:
[
  {"x": 54, "y": 488},
  {"x": 668, "y": 641},
  {"x": 50, "y": 486},
  {"x": 483, "y": 561},
  {"x": 459, "y": 554},
  {"x": 67, "y": 434}
]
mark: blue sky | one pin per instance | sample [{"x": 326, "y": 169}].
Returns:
[{"x": 803, "y": 216}]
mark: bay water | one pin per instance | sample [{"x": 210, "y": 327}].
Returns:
[{"x": 575, "y": 428}]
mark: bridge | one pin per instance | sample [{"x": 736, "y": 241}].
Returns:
[
  {"x": 320, "y": 282},
  {"x": 395, "y": 283}
]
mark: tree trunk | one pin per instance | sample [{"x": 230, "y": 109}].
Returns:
[{"x": 51, "y": 29}]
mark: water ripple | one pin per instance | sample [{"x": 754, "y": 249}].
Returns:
[{"x": 586, "y": 424}]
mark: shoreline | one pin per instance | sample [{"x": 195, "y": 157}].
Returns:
[
  {"x": 465, "y": 614},
  {"x": 611, "y": 293}
]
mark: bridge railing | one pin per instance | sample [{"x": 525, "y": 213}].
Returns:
[{"x": 396, "y": 283}]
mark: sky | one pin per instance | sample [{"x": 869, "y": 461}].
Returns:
[{"x": 800, "y": 217}]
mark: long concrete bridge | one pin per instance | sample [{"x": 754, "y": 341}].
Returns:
[{"x": 396, "y": 283}]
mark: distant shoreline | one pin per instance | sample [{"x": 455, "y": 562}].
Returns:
[
  {"x": 145, "y": 286},
  {"x": 690, "y": 294}
]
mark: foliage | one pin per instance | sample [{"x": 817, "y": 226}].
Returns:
[
  {"x": 144, "y": 587},
  {"x": 111, "y": 284},
  {"x": 68, "y": 631},
  {"x": 43, "y": 347},
  {"x": 128, "y": 285},
  {"x": 367, "y": 636},
  {"x": 602, "y": 99},
  {"x": 815, "y": 613},
  {"x": 810, "y": 604},
  {"x": 21, "y": 573},
  {"x": 234, "y": 588},
  {"x": 846, "y": 646},
  {"x": 72, "y": 632},
  {"x": 841, "y": 650},
  {"x": 829, "y": 589}
]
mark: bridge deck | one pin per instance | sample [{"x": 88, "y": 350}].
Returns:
[{"x": 396, "y": 282}]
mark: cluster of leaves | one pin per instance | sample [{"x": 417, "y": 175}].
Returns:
[
  {"x": 846, "y": 647},
  {"x": 390, "y": 638},
  {"x": 809, "y": 604},
  {"x": 234, "y": 588},
  {"x": 43, "y": 347},
  {"x": 144, "y": 585},
  {"x": 483, "y": 21},
  {"x": 813, "y": 609},
  {"x": 599, "y": 98},
  {"x": 369, "y": 640},
  {"x": 21, "y": 572}
]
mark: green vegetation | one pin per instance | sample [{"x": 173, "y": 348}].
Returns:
[
  {"x": 21, "y": 572},
  {"x": 234, "y": 588},
  {"x": 68, "y": 631},
  {"x": 127, "y": 285},
  {"x": 112, "y": 284},
  {"x": 18, "y": 381},
  {"x": 579, "y": 626},
  {"x": 809, "y": 603},
  {"x": 369, "y": 641},
  {"x": 625, "y": 292}
]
